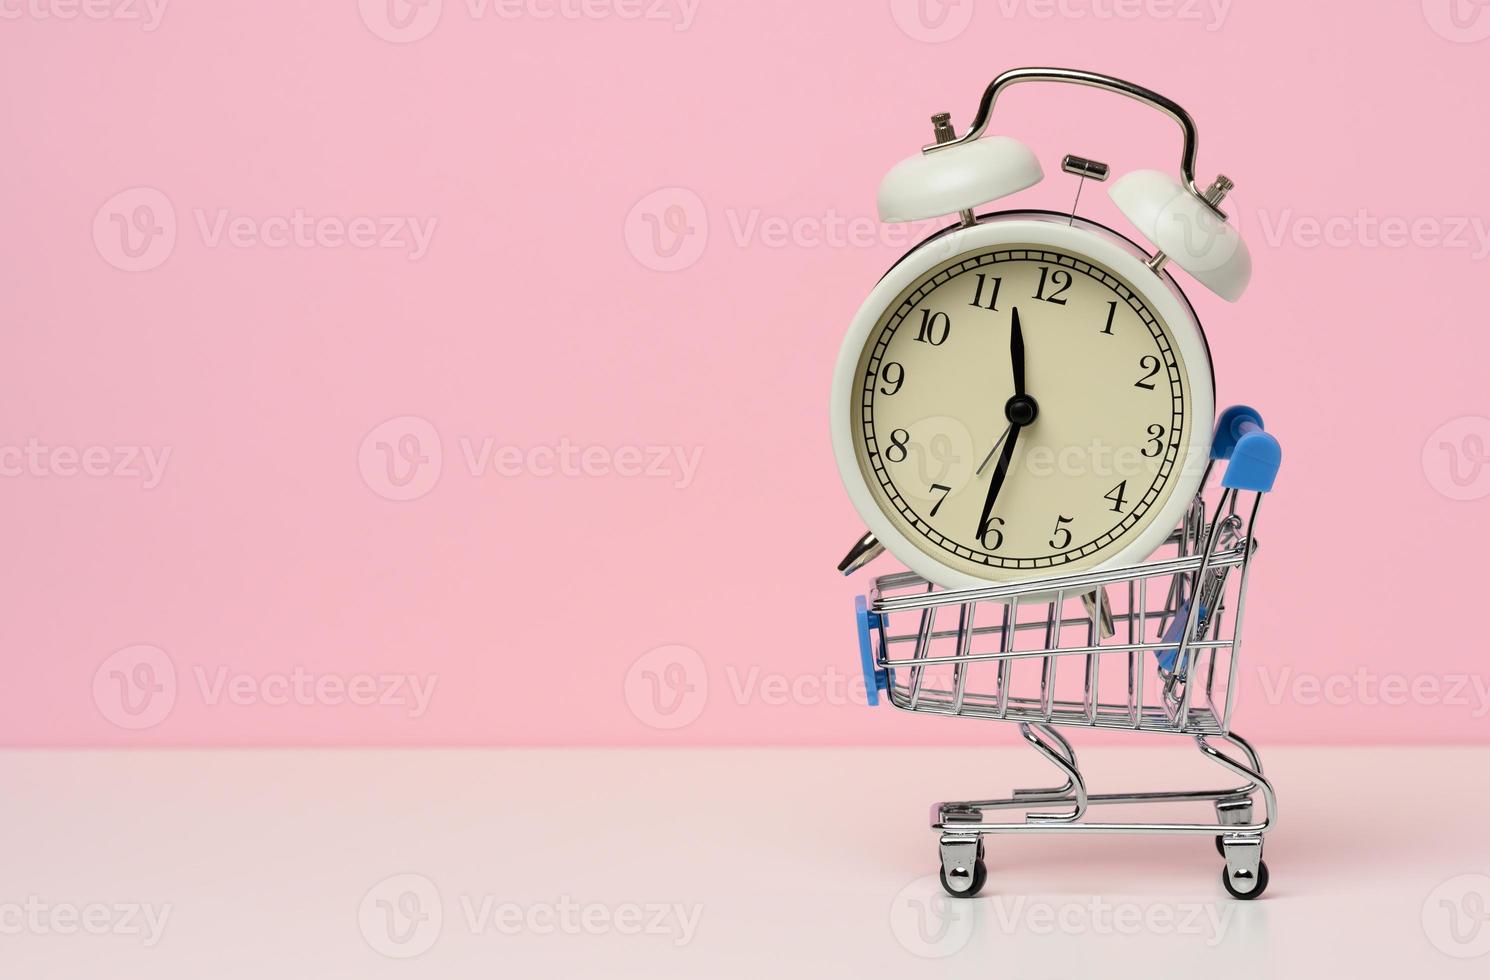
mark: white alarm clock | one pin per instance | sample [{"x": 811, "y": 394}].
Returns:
[{"x": 1028, "y": 393}]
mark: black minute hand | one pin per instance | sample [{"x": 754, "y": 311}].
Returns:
[{"x": 996, "y": 482}]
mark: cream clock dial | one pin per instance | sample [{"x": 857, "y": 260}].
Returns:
[{"x": 1020, "y": 409}]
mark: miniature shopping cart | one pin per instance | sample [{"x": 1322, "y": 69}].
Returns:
[{"x": 1149, "y": 648}]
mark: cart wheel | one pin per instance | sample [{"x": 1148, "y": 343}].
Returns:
[
  {"x": 980, "y": 878},
  {"x": 1220, "y": 847},
  {"x": 1262, "y": 883}
]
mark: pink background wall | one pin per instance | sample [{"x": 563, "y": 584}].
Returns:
[{"x": 205, "y": 543}]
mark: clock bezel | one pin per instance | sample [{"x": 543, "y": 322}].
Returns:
[{"x": 1085, "y": 239}]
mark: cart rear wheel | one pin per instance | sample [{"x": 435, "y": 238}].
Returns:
[
  {"x": 1262, "y": 883},
  {"x": 980, "y": 878}
]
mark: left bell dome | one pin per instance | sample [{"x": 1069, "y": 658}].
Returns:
[{"x": 946, "y": 181}]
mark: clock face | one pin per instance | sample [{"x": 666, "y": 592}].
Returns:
[{"x": 998, "y": 475}]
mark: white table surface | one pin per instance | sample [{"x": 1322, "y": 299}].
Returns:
[{"x": 715, "y": 863}]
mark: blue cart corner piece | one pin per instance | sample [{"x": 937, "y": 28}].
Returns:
[{"x": 875, "y": 681}]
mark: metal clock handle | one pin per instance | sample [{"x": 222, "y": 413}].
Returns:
[{"x": 1107, "y": 83}]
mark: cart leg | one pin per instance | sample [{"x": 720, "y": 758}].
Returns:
[
  {"x": 1235, "y": 811},
  {"x": 1066, "y": 763},
  {"x": 1068, "y": 753},
  {"x": 1246, "y": 874},
  {"x": 963, "y": 870}
]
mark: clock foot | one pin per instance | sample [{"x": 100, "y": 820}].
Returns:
[{"x": 864, "y": 551}]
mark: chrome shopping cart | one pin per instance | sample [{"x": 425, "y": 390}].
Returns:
[{"x": 1151, "y": 648}]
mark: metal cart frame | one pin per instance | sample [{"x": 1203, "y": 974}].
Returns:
[{"x": 1171, "y": 626}]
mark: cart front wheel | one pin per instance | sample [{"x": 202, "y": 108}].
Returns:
[
  {"x": 980, "y": 878},
  {"x": 1257, "y": 889}
]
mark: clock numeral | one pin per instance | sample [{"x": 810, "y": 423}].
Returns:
[
  {"x": 1156, "y": 437},
  {"x": 1116, "y": 496},
  {"x": 1151, "y": 364},
  {"x": 1111, "y": 314},
  {"x": 897, "y": 380},
  {"x": 1061, "y": 280},
  {"x": 998, "y": 536},
  {"x": 934, "y": 328},
  {"x": 945, "y": 490},
  {"x": 1060, "y": 529},
  {"x": 898, "y": 440},
  {"x": 993, "y": 296}
]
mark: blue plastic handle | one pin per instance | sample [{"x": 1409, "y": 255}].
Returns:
[
  {"x": 875, "y": 680},
  {"x": 1253, "y": 456},
  {"x": 1231, "y": 426}
]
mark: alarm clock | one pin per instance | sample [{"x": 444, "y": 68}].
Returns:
[{"x": 1029, "y": 393}]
